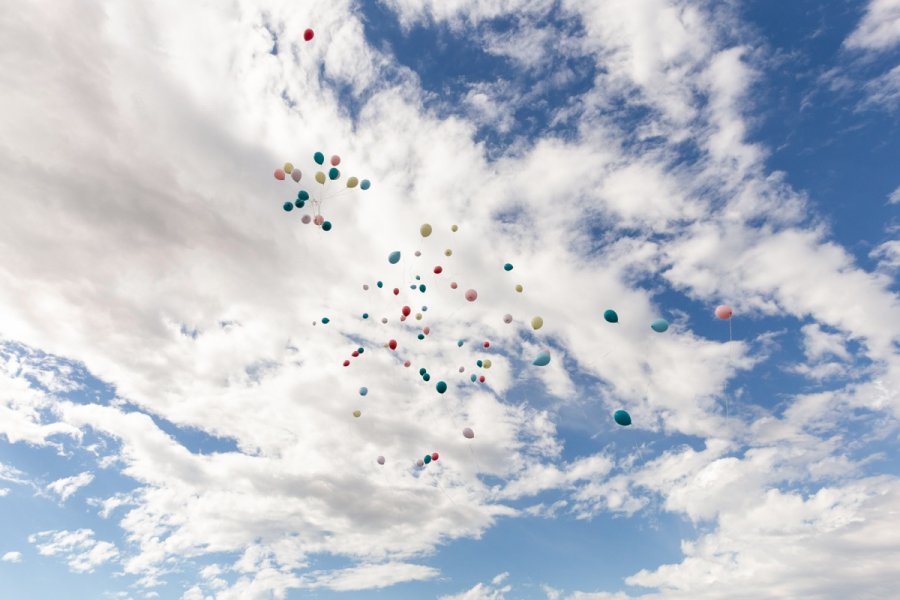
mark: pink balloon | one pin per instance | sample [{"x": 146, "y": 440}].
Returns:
[
  {"x": 279, "y": 174},
  {"x": 453, "y": 285},
  {"x": 406, "y": 363},
  {"x": 471, "y": 295},
  {"x": 306, "y": 219},
  {"x": 426, "y": 331},
  {"x": 296, "y": 174},
  {"x": 724, "y": 312},
  {"x": 319, "y": 220},
  {"x": 335, "y": 160}
]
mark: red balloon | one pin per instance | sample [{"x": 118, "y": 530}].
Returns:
[
  {"x": 438, "y": 269},
  {"x": 355, "y": 353},
  {"x": 406, "y": 310},
  {"x": 279, "y": 174},
  {"x": 487, "y": 344},
  {"x": 471, "y": 295},
  {"x": 392, "y": 344},
  {"x": 308, "y": 34},
  {"x": 453, "y": 285},
  {"x": 435, "y": 456},
  {"x": 402, "y": 318},
  {"x": 396, "y": 291},
  {"x": 406, "y": 363},
  {"x": 426, "y": 331},
  {"x": 481, "y": 379},
  {"x": 335, "y": 160},
  {"x": 724, "y": 312},
  {"x": 346, "y": 363}
]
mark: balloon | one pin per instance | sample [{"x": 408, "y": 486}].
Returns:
[
  {"x": 320, "y": 177},
  {"x": 384, "y": 319},
  {"x": 610, "y": 316},
  {"x": 379, "y": 284},
  {"x": 394, "y": 257},
  {"x": 542, "y": 360},
  {"x": 325, "y": 320},
  {"x": 306, "y": 219},
  {"x": 419, "y": 463},
  {"x": 357, "y": 413},
  {"x": 279, "y": 174},
  {"x": 724, "y": 312},
  {"x": 461, "y": 369},
  {"x": 473, "y": 378},
  {"x": 352, "y": 182},
  {"x": 435, "y": 456},
  {"x": 303, "y": 195},
  {"x": 507, "y": 318},
  {"x": 419, "y": 317},
  {"x": 299, "y": 203},
  {"x": 453, "y": 285},
  {"x": 335, "y": 160},
  {"x": 326, "y": 226},
  {"x": 448, "y": 252},
  {"x": 425, "y": 230},
  {"x": 333, "y": 173},
  {"x": 319, "y": 158},
  {"x": 308, "y": 35},
  {"x": 438, "y": 270},
  {"x": 288, "y": 168},
  {"x": 319, "y": 220},
  {"x": 422, "y": 287},
  {"x": 355, "y": 353},
  {"x": 392, "y": 344},
  {"x": 486, "y": 344},
  {"x": 406, "y": 310},
  {"x": 622, "y": 418},
  {"x": 360, "y": 349},
  {"x": 454, "y": 228},
  {"x": 418, "y": 253},
  {"x": 406, "y": 363},
  {"x": 471, "y": 295},
  {"x": 346, "y": 363},
  {"x": 380, "y": 460},
  {"x": 427, "y": 330},
  {"x": 487, "y": 363},
  {"x": 459, "y": 343},
  {"x": 363, "y": 391},
  {"x": 508, "y": 267},
  {"x": 396, "y": 291},
  {"x": 537, "y": 323},
  {"x": 296, "y": 174},
  {"x": 441, "y": 387},
  {"x": 288, "y": 206},
  {"x": 468, "y": 433},
  {"x": 421, "y": 336},
  {"x": 365, "y": 184},
  {"x": 479, "y": 363},
  {"x": 659, "y": 325},
  {"x": 426, "y": 377},
  {"x": 422, "y": 371},
  {"x": 365, "y": 286},
  {"x": 481, "y": 378}
]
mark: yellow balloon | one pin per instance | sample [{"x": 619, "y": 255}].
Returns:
[
  {"x": 454, "y": 228},
  {"x": 351, "y": 183},
  {"x": 487, "y": 363},
  {"x": 418, "y": 316},
  {"x": 448, "y": 252},
  {"x": 320, "y": 177},
  {"x": 537, "y": 323},
  {"x": 288, "y": 167},
  {"x": 519, "y": 287},
  {"x": 425, "y": 230},
  {"x": 356, "y": 413}
]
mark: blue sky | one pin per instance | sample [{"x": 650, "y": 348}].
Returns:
[{"x": 175, "y": 421}]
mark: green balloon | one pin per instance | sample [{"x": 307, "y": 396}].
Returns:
[
  {"x": 611, "y": 316},
  {"x": 319, "y": 158}
]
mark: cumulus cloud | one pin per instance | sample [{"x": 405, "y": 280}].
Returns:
[
  {"x": 67, "y": 486},
  {"x": 879, "y": 28},
  {"x": 12, "y": 557},
  {"x": 78, "y": 548},
  {"x": 481, "y": 591}
]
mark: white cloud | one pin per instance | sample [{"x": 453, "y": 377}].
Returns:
[
  {"x": 67, "y": 486},
  {"x": 894, "y": 198},
  {"x": 371, "y": 576},
  {"x": 879, "y": 28},
  {"x": 481, "y": 591},
  {"x": 887, "y": 254},
  {"x": 12, "y": 557},
  {"x": 79, "y": 548}
]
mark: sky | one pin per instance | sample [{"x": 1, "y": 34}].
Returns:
[{"x": 175, "y": 418}]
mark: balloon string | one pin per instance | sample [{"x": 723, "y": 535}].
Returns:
[{"x": 731, "y": 352}]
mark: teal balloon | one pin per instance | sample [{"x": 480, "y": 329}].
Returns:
[
  {"x": 421, "y": 336},
  {"x": 319, "y": 158},
  {"x": 422, "y": 371},
  {"x": 333, "y": 173},
  {"x": 441, "y": 387},
  {"x": 363, "y": 391},
  {"x": 659, "y": 325},
  {"x": 610, "y": 316},
  {"x": 422, "y": 288},
  {"x": 299, "y": 203},
  {"x": 326, "y": 226},
  {"x": 542, "y": 360},
  {"x": 379, "y": 284},
  {"x": 325, "y": 320},
  {"x": 303, "y": 195},
  {"x": 460, "y": 343},
  {"x": 418, "y": 278},
  {"x": 427, "y": 459},
  {"x": 412, "y": 286},
  {"x": 424, "y": 309},
  {"x": 478, "y": 362},
  {"x": 473, "y": 378},
  {"x": 360, "y": 349},
  {"x": 394, "y": 257},
  {"x": 364, "y": 184},
  {"x": 622, "y": 418},
  {"x": 508, "y": 267},
  {"x": 365, "y": 315},
  {"x": 426, "y": 377},
  {"x": 288, "y": 206}
]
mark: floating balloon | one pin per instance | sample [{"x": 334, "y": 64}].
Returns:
[
  {"x": 468, "y": 433},
  {"x": 422, "y": 371},
  {"x": 438, "y": 270},
  {"x": 487, "y": 363},
  {"x": 406, "y": 363},
  {"x": 326, "y": 226},
  {"x": 471, "y": 295},
  {"x": 333, "y": 173},
  {"x": 288, "y": 168},
  {"x": 299, "y": 203},
  {"x": 308, "y": 35},
  {"x": 325, "y": 320},
  {"x": 724, "y": 312},
  {"x": 425, "y": 230},
  {"x": 346, "y": 363},
  {"x": 486, "y": 344},
  {"x": 365, "y": 286},
  {"x": 454, "y": 228},
  {"x": 473, "y": 378},
  {"x": 306, "y": 219},
  {"x": 392, "y": 344},
  {"x": 394, "y": 257},
  {"x": 418, "y": 253},
  {"x": 542, "y": 360},
  {"x": 335, "y": 160},
  {"x": 422, "y": 287},
  {"x": 426, "y": 377},
  {"x": 384, "y": 319},
  {"x": 519, "y": 287},
  {"x": 537, "y": 323},
  {"x": 279, "y": 174},
  {"x": 363, "y": 391},
  {"x": 435, "y": 456},
  {"x": 396, "y": 291},
  {"x": 461, "y": 369},
  {"x": 481, "y": 378},
  {"x": 320, "y": 177},
  {"x": 302, "y": 195},
  {"x": 365, "y": 184},
  {"x": 288, "y": 206},
  {"x": 508, "y": 267},
  {"x": 357, "y": 413},
  {"x": 319, "y": 220},
  {"x": 427, "y": 330},
  {"x": 379, "y": 284},
  {"x": 479, "y": 363},
  {"x": 352, "y": 182},
  {"x": 507, "y": 318},
  {"x": 421, "y": 336},
  {"x": 427, "y": 458},
  {"x": 441, "y": 387},
  {"x": 296, "y": 175},
  {"x": 659, "y": 325},
  {"x": 453, "y": 285},
  {"x": 622, "y": 418},
  {"x": 405, "y": 311},
  {"x": 610, "y": 316},
  {"x": 420, "y": 463},
  {"x": 448, "y": 252},
  {"x": 319, "y": 158},
  {"x": 380, "y": 460},
  {"x": 459, "y": 343}
]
